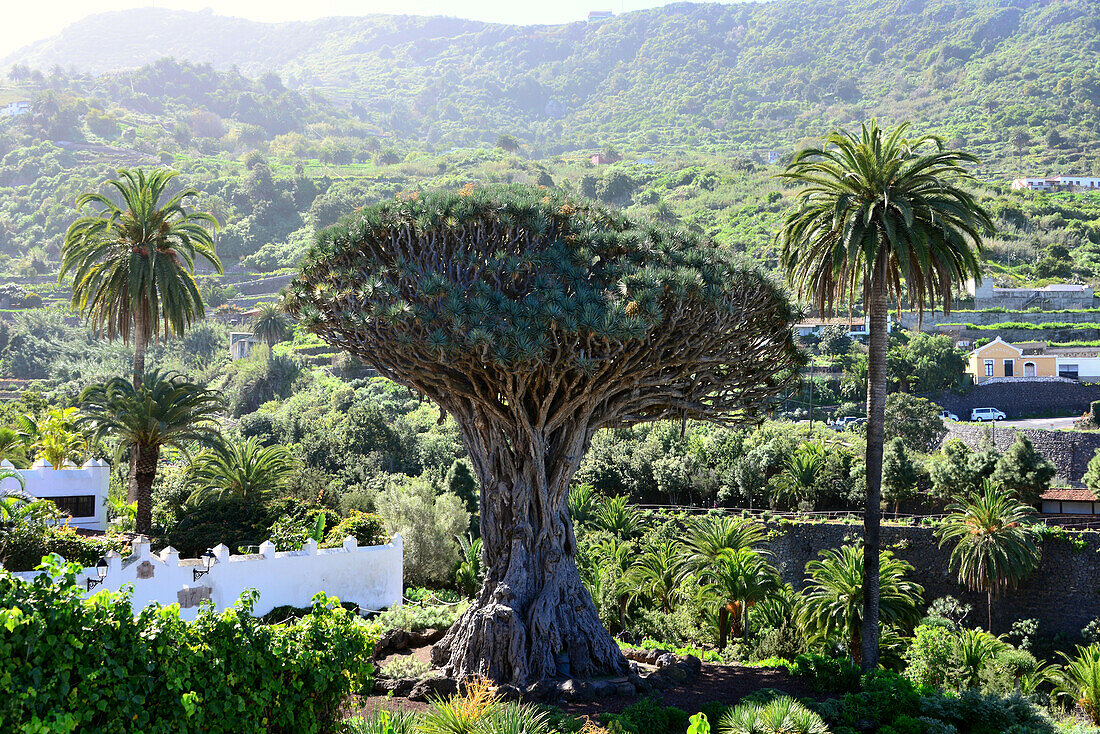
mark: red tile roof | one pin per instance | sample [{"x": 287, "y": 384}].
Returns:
[{"x": 1065, "y": 494}]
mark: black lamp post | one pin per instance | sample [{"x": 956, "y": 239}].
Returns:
[
  {"x": 208, "y": 560},
  {"x": 101, "y": 571}
]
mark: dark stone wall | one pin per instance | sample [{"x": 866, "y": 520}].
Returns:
[
  {"x": 1063, "y": 594},
  {"x": 1022, "y": 399},
  {"x": 1069, "y": 451}
]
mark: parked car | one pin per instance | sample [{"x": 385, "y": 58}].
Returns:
[
  {"x": 986, "y": 414},
  {"x": 848, "y": 421},
  {"x": 947, "y": 415}
]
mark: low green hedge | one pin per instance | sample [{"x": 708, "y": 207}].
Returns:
[
  {"x": 24, "y": 548},
  {"x": 74, "y": 665}
]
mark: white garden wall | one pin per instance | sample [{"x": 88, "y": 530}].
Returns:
[{"x": 370, "y": 576}]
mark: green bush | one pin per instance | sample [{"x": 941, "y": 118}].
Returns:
[
  {"x": 25, "y": 547},
  {"x": 415, "y": 617},
  {"x": 367, "y": 529},
  {"x": 826, "y": 674},
  {"x": 648, "y": 717},
  {"x": 70, "y": 664}
]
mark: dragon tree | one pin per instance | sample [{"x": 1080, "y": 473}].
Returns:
[{"x": 535, "y": 320}]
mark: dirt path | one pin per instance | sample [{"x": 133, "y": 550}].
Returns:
[{"x": 726, "y": 684}]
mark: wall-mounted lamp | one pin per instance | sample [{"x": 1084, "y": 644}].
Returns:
[
  {"x": 208, "y": 560},
  {"x": 101, "y": 571}
]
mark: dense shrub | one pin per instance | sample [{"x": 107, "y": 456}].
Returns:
[
  {"x": 367, "y": 529},
  {"x": 230, "y": 521},
  {"x": 70, "y": 664},
  {"x": 826, "y": 674},
  {"x": 25, "y": 547},
  {"x": 421, "y": 617},
  {"x": 428, "y": 524},
  {"x": 648, "y": 717}
]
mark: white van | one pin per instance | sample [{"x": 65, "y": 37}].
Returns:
[{"x": 986, "y": 414}]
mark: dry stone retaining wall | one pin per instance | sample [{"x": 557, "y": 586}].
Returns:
[
  {"x": 1064, "y": 593},
  {"x": 1021, "y": 399},
  {"x": 1069, "y": 451}
]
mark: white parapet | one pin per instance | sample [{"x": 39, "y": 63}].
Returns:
[{"x": 370, "y": 576}]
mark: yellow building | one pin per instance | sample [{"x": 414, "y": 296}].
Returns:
[{"x": 998, "y": 358}]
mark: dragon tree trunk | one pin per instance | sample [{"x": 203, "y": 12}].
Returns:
[{"x": 533, "y": 610}]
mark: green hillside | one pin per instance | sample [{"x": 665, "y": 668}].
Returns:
[
  {"x": 748, "y": 76},
  {"x": 699, "y": 105}
]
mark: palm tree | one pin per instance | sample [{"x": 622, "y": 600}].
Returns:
[
  {"x": 832, "y": 604},
  {"x": 714, "y": 535},
  {"x": 270, "y": 325},
  {"x": 163, "y": 410},
  {"x": 739, "y": 579},
  {"x": 1079, "y": 680},
  {"x": 796, "y": 483},
  {"x": 13, "y": 446},
  {"x": 995, "y": 545},
  {"x": 132, "y": 263},
  {"x": 657, "y": 575},
  {"x": 976, "y": 649},
  {"x": 54, "y": 437},
  {"x": 247, "y": 470},
  {"x": 875, "y": 211}
]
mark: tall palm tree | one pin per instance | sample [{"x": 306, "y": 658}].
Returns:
[
  {"x": 876, "y": 211},
  {"x": 132, "y": 262},
  {"x": 247, "y": 470},
  {"x": 657, "y": 575},
  {"x": 797, "y": 482},
  {"x": 995, "y": 544},
  {"x": 164, "y": 410},
  {"x": 739, "y": 579},
  {"x": 714, "y": 535},
  {"x": 832, "y": 604},
  {"x": 271, "y": 325}
]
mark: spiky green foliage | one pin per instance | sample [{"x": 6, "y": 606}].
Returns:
[
  {"x": 247, "y": 470},
  {"x": 832, "y": 606},
  {"x": 165, "y": 410},
  {"x": 132, "y": 262},
  {"x": 656, "y": 575},
  {"x": 479, "y": 284},
  {"x": 1079, "y": 680},
  {"x": 738, "y": 580},
  {"x": 875, "y": 197},
  {"x": 710, "y": 537},
  {"x": 995, "y": 544},
  {"x": 271, "y": 324},
  {"x": 781, "y": 715}
]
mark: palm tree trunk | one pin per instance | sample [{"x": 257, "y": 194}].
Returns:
[
  {"x": 143, "y": 470},
  {"x": 989, "y": 608},
  {"x": 139, "y": 373},
  {"x": 876, "y": 408},
  {"x": 140, "y": 343},
  {"x": 723, "y": 626}
]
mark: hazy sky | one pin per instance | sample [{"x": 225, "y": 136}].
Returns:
[{"x": 24, "y": 21}]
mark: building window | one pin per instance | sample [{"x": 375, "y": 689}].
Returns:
[
  {"x": 76, "y": 505},
  {"x": 1068, "y": 370},
  {"x": 989, "y": 368}
]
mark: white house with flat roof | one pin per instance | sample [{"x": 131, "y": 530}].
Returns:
[{"x": 80, "y": 492}]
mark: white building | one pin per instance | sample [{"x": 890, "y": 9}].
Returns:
[
  {"x": 1057, "y": 183},
  {"x": 81, "y": 492},
  {"x": 14, "y": 109}
]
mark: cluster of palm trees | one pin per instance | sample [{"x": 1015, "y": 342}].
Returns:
[{"x": 720, "y": 564}]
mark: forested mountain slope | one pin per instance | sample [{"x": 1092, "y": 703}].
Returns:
[{"x": 747, "y": 75}]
